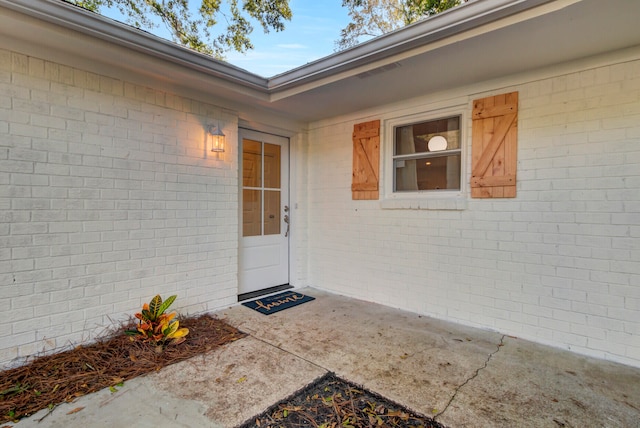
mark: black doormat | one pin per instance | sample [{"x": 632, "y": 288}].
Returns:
[
  {"x": 272, "y": 304},
  {"x": 333, "y": 402}
]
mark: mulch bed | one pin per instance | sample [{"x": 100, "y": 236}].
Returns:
[
  {"x": 331, "y": 402},
  {"x": 53, "y": 379},
  {"x": 49, "y": 380}
]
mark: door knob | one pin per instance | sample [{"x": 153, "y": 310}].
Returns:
[{"x": 286, "y": 220}]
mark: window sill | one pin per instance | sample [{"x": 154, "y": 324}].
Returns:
[{"x": 457, "y": 203}]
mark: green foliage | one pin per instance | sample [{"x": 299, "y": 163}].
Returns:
[
  {"x": 415, "y": 10},
  {"x": 369, "y": 18},
  {"x": 372, "y": 18},
  {"x": 92, "y": 5},
  {"x": 157, "y": 327},
  {"x": 194, "y": 31}
]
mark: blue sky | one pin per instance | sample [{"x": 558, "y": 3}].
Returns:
[{"x": 310, "y": 35}]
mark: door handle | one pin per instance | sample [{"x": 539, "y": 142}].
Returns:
[{"x": 286, "y": 220}]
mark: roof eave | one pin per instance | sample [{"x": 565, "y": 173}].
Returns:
[
  {"x": 454, "y": 21},
  {"x": 446, "y": 24},
  {"x": 78, "y": 19}
]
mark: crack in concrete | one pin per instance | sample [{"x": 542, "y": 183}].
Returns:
[
  {"x": 475, "y": 374},
  {"x": 455, "y": 393}
]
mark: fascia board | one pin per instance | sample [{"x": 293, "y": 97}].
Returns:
[{"x": 75, "y": 18}]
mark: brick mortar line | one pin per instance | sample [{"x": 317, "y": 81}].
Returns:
[{"x": 477, "y": 372}]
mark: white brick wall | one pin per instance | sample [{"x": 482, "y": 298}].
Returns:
[
  {"x": 560, "y": 264},
  {"x": 107, "y": 197}
]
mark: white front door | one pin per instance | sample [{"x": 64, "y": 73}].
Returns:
[{"x": 264, "y": 199}]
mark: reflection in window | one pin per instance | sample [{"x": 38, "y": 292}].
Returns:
[
  {"x": 271, "y": 212},
  {"x": 251, "y": 163},
  {"x": 261, "y": 192},
  {"x": 251, "y": 213},
  {"x": 427, "y": 155}
]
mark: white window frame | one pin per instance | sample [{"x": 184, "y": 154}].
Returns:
[{"x": 424, "y": 199}]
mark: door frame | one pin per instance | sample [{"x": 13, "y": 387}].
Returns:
[{"x": 288, "y": 186}]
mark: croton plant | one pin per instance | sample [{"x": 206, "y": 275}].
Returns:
[{"x": 157, "y": 327}]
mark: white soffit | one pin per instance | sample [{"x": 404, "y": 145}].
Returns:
[
  {"x": 551, "y": 33},
  {"x": 454, "y": 25}
]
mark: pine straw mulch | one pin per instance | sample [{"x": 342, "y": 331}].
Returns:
[
  {"x": 53, "y": 379},
  {"x": 331, "y": 402}
]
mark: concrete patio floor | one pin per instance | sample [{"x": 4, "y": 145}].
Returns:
[{"x": 464, "y": 377}]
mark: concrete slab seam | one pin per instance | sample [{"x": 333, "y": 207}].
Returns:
[
  {"x": 290, "y": 353},
  {"x": 473, "y": 376}
]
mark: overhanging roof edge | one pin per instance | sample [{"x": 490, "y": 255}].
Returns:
[
  {"x": 437, "y": 27},
  {"x": 78, "y": 19}
]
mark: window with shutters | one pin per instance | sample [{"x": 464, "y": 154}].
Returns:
[{"x": 427, "y": 153}]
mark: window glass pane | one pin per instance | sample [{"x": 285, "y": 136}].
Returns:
[
  {"x": 271, "y": 212},
  {"x": 271, "y": 166},
  {"x": 251, "y": 212},
  {"x": 251, "y": 163},
  {"x": 415, "y": 138},
  {"x": 433, "y": 173}
]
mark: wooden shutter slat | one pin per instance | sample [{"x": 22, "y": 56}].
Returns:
[
  {"x": 494, "y": 146},
  {"x": 506, "y": 180},
  {"x": 483, "y": 112},
  {"x": 366, "y": 160},
  {"x": 366, "y": 133}
]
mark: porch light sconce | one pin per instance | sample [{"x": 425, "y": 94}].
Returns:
[
  {"x": 437, "y": 143},
  {"x": 216, "y": 139}
]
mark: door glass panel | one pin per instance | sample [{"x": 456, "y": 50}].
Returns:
[
  {"x": 261, "y": 193},
  {"x": 271, "y": 212},
  {"x": 271, "y": 166},
  {"x": 251, "y": 212},
  {"x": 251, "y": 163}
]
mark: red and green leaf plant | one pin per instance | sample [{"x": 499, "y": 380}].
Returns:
[{"x": 155, "y": 326}]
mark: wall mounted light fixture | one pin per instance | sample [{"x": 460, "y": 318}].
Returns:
[{"x": 215, "y": 139}]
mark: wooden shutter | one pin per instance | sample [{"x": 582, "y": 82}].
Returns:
[
  {"x": 494, "y": 146},
  {"x": 366, "y": 160}
]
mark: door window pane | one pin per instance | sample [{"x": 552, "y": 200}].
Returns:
[
  {"x": 261, "y": 169},
  {"x": 271, "y": 166},
  {"x": 271, "y": 212},
  {"x": 251, "y": 212},
  {"x": 251, "y": 163}
]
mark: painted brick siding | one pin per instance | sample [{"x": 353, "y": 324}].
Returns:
[
  {"x": 559, "y": 264},
  {"x": 107, "y": 197}
]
